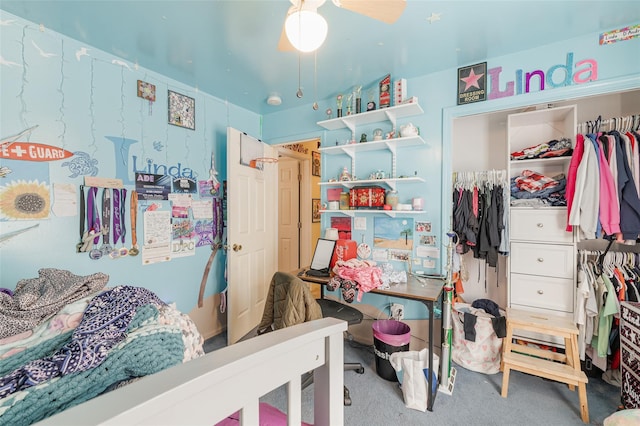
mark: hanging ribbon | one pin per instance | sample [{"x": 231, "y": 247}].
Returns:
[
  {"x": 80, "y": 245},
  {"x": 123, "y": 251},
  {"x": 106, "y": 221},
  {"x": 217, "y": 229},
  {"x": 117, "y": 222}
]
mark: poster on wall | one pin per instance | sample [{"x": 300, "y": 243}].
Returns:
[
  {"x": 393, "y": 233},
  {"x": 24, "y": 190},
  {"x": 472, "y": 84},
  {"x": 153, "y": 187},
  {"x": 157, "y": 237}
]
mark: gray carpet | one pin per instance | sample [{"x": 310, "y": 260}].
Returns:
[{"x": 475, "y": 399}]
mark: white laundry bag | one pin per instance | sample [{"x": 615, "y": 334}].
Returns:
[{"x": 485, "y": 353}]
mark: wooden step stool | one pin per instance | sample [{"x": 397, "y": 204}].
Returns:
[{"x": 563, "y": 368}]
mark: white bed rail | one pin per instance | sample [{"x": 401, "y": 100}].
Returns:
[{"x": 206, "y": 390}]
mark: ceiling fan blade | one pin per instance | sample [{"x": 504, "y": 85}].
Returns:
[
  {"x": 387, "y": 11},
  {"x": 284, "y": 44}
]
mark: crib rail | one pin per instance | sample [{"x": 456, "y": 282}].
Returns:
[{"x": 206, "y": 390}]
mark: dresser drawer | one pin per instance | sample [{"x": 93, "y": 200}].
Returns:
[
  {"x": 543, "y": 259},
  {"x": 540, "y": 225},
  {"x": 556, "y": 294}
]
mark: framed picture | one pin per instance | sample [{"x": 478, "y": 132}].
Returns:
[
  {"x": 315, "y": 210},
  {"x": 146, "y": 91},
  {"x": 315, "y": 163},
  {"x": 472, "y": 84},
  {"x": 182, "y": 110}
]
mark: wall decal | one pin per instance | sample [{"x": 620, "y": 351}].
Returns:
[
  {"x": 121, "y": 154},
  {"x": 82, "y": 164},
  {"x": 42, "y": 52},
  {"x": 182, "y": 110},
  {"x": 31, "y": 151},
  {"x": 82, "y": 52},
  {"x": 4, "y": 171},
  {"x": 626, "y": 33}
]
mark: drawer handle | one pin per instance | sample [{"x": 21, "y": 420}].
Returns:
[
  {"x": 540, "y": 292},
  {"x": 540, "y": 259},
  {"x": 540, "y": 225}
]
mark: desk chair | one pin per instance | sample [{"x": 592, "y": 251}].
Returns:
[
  {"x": 288, "y": 286},
  {"x": 334, "y": 309}
]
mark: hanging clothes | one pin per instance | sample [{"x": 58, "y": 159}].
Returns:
[
  {"x": 604, "y": 180},
  {"x": 479, "y": 214}
]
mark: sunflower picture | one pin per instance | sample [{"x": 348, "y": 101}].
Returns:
[{"x": 22, "y": 200}]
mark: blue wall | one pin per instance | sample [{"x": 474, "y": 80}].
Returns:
[
  {"x": 618, "y": 70},
  {"x": 77, "y": 102}
]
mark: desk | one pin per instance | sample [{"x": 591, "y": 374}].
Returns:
[{"x": 425, "y": 290}]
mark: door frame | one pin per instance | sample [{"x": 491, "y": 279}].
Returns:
[{"x": 305, "y": 198}]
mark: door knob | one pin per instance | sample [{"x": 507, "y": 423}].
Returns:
[{"x": 237, "y": 247}]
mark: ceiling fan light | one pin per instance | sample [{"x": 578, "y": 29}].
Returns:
[{"x": 306, "y": 30}]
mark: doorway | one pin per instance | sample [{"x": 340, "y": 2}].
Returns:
[{"x": 296, "y": 188}]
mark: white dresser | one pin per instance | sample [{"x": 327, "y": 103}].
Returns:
[{"x": 542, "y": 259}]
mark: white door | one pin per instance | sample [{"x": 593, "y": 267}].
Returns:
[
  {"x": 288, "y": 214},
  {"x": 251, "y": 233}
]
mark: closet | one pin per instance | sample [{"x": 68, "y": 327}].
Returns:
[{"x": 482, "y": 142}]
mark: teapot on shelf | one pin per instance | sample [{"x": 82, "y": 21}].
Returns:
[{"x": 409, "y": 130}]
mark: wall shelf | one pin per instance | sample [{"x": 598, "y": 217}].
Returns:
[
  {"x": 391, "y": 182},
  {"x": 385, "y": 144},
  {"x": 391, "y": 114},
  {"x": 390, "y": 213}
]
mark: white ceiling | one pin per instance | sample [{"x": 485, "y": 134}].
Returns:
[{"x": 228, "y": 48}]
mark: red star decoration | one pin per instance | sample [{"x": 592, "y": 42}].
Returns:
[{"x": 472, "y": 80}]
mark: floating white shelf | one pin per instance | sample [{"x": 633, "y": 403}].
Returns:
[
  {"x": 391, "y": 213},
  {"x": 391, "y": 182},
  {"x": 391, "y": 114}
]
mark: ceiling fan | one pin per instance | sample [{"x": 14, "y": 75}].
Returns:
[{"x": 387, "y": 11}]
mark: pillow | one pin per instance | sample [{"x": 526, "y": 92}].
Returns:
[{"x": 623, "y": 418}]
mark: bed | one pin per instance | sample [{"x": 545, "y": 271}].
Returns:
[{"x": 119, "y": 355}]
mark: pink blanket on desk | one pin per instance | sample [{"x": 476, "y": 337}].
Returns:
[{"x": 363, "y": 272}]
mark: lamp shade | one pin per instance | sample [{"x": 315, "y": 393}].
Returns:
[{"x": 306, "y": 30}]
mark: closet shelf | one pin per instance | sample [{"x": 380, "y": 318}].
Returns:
[
  {"x": 565, "y": 159},
  {"x": 546, "y": 209}
]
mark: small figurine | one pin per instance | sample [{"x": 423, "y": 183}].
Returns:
[
  {"x": 363, "y": 138},
  {"x": 371, "y": 105},
  {"x": 344, "y": 176},
  {"x": 349, "y": 101}
]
